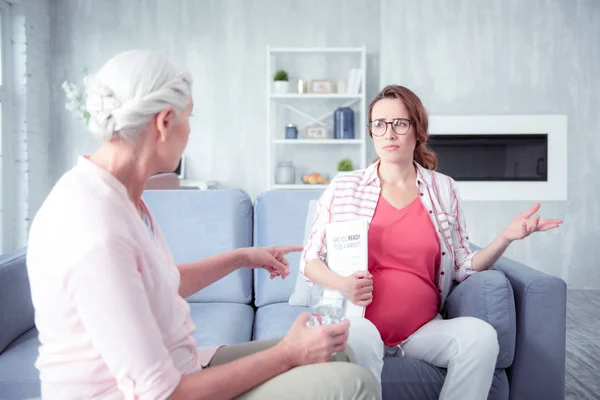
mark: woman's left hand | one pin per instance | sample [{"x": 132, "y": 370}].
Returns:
[
  {"x": 522, "y": 226},
  {"x": 272, "y": 259}
]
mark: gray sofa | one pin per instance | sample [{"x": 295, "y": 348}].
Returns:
[{"x": 526, "y": 307}]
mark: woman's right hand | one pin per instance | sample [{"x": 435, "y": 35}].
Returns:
[
  {"x": 309, "y": 345},
  {"x": 358, "y": 288}
]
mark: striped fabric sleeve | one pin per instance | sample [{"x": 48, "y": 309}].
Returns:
[
  {"x": 315, "y": 246},
  {"x": 460, "y": 237}
]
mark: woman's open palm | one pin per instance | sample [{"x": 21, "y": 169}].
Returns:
[{"x": 523, "y": 225}]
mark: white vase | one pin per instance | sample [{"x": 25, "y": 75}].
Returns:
[
  {"x": 281, "y": 87},
  {"x": 285, "y": 173}
]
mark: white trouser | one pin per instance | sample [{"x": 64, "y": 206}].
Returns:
[
  {"x": 366, "y": 344},
  {"x": 466, "y": 346}
]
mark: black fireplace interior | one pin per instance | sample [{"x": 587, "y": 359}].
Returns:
[{"x": 471, "y": 157}]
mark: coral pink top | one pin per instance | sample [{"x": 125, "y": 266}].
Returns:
[
  {"x": 404, "y": 255},
  {"x": 105, "y": 290},
  {"x": 354, "y": 195}
]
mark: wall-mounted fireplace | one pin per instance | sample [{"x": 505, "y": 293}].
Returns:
[
  {"x": 500, "y": 158},
  {"x": 520, "y": 157}
]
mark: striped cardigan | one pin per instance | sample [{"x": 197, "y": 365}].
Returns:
[{"x": 354, "y": 195}]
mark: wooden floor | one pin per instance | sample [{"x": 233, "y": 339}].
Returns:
[{"x": 583, "y": 345}]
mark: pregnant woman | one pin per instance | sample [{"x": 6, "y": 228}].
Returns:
[
  {"x": 108, "y": 297},
  {"x": 418, "y": 245}
]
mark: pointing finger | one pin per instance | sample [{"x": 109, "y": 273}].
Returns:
[{"x": 289, "y": 249}]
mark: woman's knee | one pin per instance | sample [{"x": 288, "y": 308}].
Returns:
[
  {"x": 480, "y": 338},
  {"x": 365, "y": 330},
  {"x": 364, "y": 337}
]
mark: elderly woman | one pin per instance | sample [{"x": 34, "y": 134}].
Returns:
[
  {"x": 108, "y": 296},
  {"x": 418, "y": 245}
]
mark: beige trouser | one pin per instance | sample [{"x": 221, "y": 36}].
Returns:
[{"x": 340, "y": 379}]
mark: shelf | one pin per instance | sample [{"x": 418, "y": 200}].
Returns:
[
  {"x": 298, "y": 186},
  {"x": 307, "y": 109},
  {"x": 316, "y": 96},
  {"x": 316, "y": 141},
  {"x": 316, "y": 49}
]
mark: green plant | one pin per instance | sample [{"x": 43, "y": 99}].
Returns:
[
  {"x": 280, "y": 75},
  {"x": 345, "y": 165}
]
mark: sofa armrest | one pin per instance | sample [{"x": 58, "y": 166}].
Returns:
[
  {"x": 538, "y": 370},
  {"x": 16, "y": 309},
  {"x": 488, "y": 296}
]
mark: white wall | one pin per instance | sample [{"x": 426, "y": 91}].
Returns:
[{"x": 223, "y": 43}]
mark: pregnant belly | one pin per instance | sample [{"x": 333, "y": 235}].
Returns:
[{"x": 402, "y": 303}]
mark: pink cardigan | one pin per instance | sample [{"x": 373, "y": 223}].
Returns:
[{"x": 105, "y": 290}]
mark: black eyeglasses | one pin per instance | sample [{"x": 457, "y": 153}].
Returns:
[{"x": 400, "y": 126}]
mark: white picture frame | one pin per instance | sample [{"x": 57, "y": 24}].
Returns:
[
  {"x": 316, "y": 132},
  {"x": 322, "y": 86}
]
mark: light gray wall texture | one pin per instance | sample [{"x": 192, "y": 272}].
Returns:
[
  {"x": 461, "y": 57},
  {"x": 25, "y": 146},
  {"x": 513, "y": 57}
]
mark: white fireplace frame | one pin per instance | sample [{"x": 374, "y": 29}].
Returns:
[{"x": 555, "y": 126}]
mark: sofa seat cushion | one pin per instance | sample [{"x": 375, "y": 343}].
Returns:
[
  {"x": 409, "y": 378},
  {"x": 274, "y": 320},
  {"x": 222, "y": 323},
  {"x": 19, "y": 379},
  {"x": 198, "y": 224}
]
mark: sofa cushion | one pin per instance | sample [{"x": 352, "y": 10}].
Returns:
[
  {"x": 274, "y": 320},
  {"x": 222, "y": 323},
  {"x": 19, "y": 379},
  {"x": 16, "y": 309},
  {"x": 279, "y": 219},
  {"x": 199, "y": 224},
  {"x": 488, "y": 295}
]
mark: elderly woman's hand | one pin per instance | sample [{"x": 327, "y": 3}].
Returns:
[{"x": 271, "y": 258}]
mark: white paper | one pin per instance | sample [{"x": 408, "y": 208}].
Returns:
[{"x": 347, "y": 253}]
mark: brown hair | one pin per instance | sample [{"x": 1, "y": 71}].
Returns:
[{"x": 416, "y": 111}]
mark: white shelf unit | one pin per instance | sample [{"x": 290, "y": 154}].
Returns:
[{"x": 312, "y": 155}]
